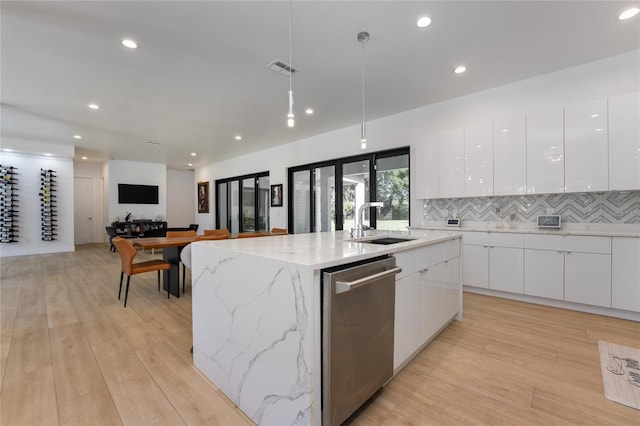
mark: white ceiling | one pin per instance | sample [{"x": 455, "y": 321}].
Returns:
[{"x": 199, "y": 76}]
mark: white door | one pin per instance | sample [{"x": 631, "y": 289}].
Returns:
[{"x": 83, "y": 210}]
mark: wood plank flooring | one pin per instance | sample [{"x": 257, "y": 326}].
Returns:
[{"x": 70, "y": 354}]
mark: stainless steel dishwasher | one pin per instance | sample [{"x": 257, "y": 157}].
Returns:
[{"x": 357, "y": 334}]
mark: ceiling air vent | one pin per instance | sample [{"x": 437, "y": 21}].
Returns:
[{"x": 281, "y": 67}]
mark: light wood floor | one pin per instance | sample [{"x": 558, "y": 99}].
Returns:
[{"x": 71, "y": 355}]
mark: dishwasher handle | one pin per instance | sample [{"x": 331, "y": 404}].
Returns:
[{"x": 344, "y": 286}]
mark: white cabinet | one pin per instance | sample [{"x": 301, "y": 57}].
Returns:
[
  {"x": 545, "y": 151},
  {"x": 625, "y": 273},
  {"x": 571, "y": 268},
  {"x": 428, "y": 295},
  {"x": 494, "y": 261},
  {"x": 624, "y": 141},
  {"x": 478, "y": 160},
  {"x": 427, "y": 168},
  {"x": 586, "y": 146},
  {"x": 587, "y": 278},
  {"x": 544, "y": 273},
  {"x": 451, "y": 163},
  {"x": 509, "y": 156}
]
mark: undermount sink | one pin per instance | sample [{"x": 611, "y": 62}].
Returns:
[{"x": 388, "y": 240}]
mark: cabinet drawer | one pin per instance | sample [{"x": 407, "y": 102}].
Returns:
[
  {"x": 412, "y": 261},
  {"x": 494, "y": 239},
  {"x": 581, "y": 244}
]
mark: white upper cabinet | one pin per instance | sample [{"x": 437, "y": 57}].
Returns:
[
  {"x": 427, "y": 167},
  {"x": 478, "y": 160},
  {"x": 451, "y": 163},
  {"x": 545, "y": 151},
  {"x": 624, "y": 142},
  {"x": 585, "y": 147},
  {"x": 509, "y": 156}
]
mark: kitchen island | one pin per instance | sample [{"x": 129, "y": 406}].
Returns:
[{"x": 257, "y": 312}]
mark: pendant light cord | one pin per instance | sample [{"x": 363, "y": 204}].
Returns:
[
  {"x": 363, "y": 130},
  {"x": 290, "y": 55}
]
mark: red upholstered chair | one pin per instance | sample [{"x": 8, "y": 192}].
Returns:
[
  {"x": 190, "y": 233},
  {"x": 127, "y": 253}
]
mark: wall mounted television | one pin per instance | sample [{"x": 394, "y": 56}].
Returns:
[{"x": 137, "y": 194}]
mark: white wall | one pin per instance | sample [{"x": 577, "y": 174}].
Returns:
[
  {"x": 181, "y": 198},
  {"x": 136, "y": 173},
  {"x": 29, "y": 165},
  {"x": 611, "y": 76}
]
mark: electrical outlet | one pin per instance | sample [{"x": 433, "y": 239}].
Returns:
[
  {"x": 497, "y": 209},
  {"x": 512, "y": 216}
]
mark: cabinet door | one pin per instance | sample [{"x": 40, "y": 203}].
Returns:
[
  {"x": 451, "y": 163},
  {"x": 506, "y": 269},
  {"x": 475, "y": 266},
  {"x": 585, "y": 146},
  {"x": 441, "y": 296},
  {"x": 478, "y": 160},
  {"x": 545, "y": 151},
  {"x": 625, "y": 274},
  {"x": 509, "y": 156},
  {"x": 588, "y": 278},
  {"x": 624, "y": 141},
  {"x": 409, "y": 321},
  {"x": 427, "y": 168},
  {"x": 544, "y": 273}
]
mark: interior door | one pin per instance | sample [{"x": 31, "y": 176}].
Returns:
[{"x": 83, "y": 210}]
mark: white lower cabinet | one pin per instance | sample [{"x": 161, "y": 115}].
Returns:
[
  {"x": 625, "y": 273},
  {"x": 427, "y": 295},
  {"x": 494, "y": 261},
  {"x": 571, "y": 268},
  {"x": 544, "y": 273},
  {"x": 587, "y": 278}
]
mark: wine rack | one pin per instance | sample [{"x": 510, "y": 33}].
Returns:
[
  {"x": 48, "y": 204},
  {"x": 8, "y": 204}
]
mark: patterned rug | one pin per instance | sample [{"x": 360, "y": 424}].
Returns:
[{"x": 620, "y": 366}]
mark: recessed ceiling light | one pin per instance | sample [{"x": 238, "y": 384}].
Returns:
[
  {"x": 595, "y": 115},
  {"x": 129, "y": 43},
  {"x": 598, "y": 130},
  {"x": 77, "y": 137},
  {"x": 84, "y": 158},
  {"x": 424, "y": 21},
  {"x": 94, "y": 106},
  {"x": 7, "y": 149},
  {"x": 238, "y": 138},
  {"x": 193, "y": 154},
  {"x": 152, "y": 143},
  {"x": 629, "y": 13},
  {"x": 308, "y": 111},
  {"x": 48, "y": 154},
  {"x": 505, "y": 130},
  {"x": 460, "y": 69}
]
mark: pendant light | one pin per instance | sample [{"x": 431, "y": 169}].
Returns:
[
  {"x": 363, "y": 37},
  {"x": 290, "y": 116}
]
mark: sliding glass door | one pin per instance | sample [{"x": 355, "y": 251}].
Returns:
[
  {"x": 242, "y": 203},
  {"x": 317, "y": 204}
]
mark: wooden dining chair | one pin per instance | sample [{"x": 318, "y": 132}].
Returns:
[
  {"x": 189, "y": 233},
  {"x": 279, "y": 231},
  {"x": 251, "y": 234},
  {"x": 127, "y": 253},
  {"x": 211, "y": 237},
  {"x": 223, "y": 231}
]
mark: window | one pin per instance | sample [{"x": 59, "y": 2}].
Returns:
[
  {"x": 317, "y": 203},
  {"x": 242, "y": 203}
]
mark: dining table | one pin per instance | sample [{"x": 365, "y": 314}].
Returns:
[{"x": 171, "y": 248}]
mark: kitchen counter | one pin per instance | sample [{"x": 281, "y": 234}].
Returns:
[
  {"x": 592, "y": 229},
  {"x": 257, "y": 313}
]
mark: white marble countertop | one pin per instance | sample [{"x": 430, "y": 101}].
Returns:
[
  {"x": 592, "y": 229},
  {"x": 325, "y": 249}
]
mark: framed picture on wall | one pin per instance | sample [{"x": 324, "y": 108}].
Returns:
[
  {"x": 276, "y": 195},
  {"x": 203, "y": 197}
]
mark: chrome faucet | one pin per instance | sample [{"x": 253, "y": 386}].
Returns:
[{"x": 360, "y": 216}]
